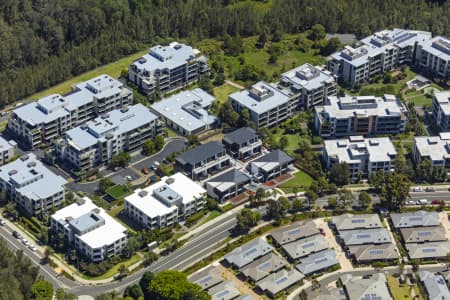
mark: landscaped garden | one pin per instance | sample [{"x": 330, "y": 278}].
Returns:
[
  {"x": 300, "y": 181},
  {"x": 118, "y": 191}
]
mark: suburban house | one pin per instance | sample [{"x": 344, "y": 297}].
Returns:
[
  {"x": 423, "y": 234},
  {"x": 279, "y": 281},
  {"x": 242, "y": 143},
  {"x": 365, "y": 236},
  {"x": 431, "y": 250},
  {"x": 294, "y": 232},
  {"x": 92, "y": 231},
  {"x": 227, "y": 185},
  {"x": 373, "y": 287},
  {"x": 270, "y": 165},
  {"x": 166, "y": 68},
  {"x": 441, "y": 111},
  {"x": 317, "y": 262},
  {"x": 248, "y": 253},
  {"x": 350, "y": 221},
  {"x": 305, "y": 246},
  {"x": 433, "y": 56},
  {"x": 434, "y": 285},
  {"x": 419, "y": 218},
  {"x": 204, "y": 160},
  {"x": 226, "y": 290},
  {"x": 7, "y": 150},
  {"x": 263, "y": 267},
  {"x": 434, "y": 148},
  {"x": 372, "y": 253},
  {"x": 207, "y": 277}
]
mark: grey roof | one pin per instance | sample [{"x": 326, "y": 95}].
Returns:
[
  {"x": 187, "y": 109},
  {"x": 328, "y": 293},
  {"x": 350, "y": 221},
  {"x": 87, "y": 222},
  {"x": 373, "y": 287},
  {"x": 307, "y": 76},
  {"x": 200, "y": 153},
  {"x": 306, "y": 246},
  {"x": 365, "y": 236},
  {"x": 317, "y": 262},
  {"x": 364, "y": 253},
  {"x": 6, "y": 145},
  {"x": 435, "y": 286},
  {"x": 228, "y": 179},
  {"x": 423, "y": 234},
  {"x": 438, "y": 46},
  {"x": 248, "y": 252},
  {"x": 397, "y": 36},
  {"x": 226, "y": 290},
  {"x": 207, "y": 278},
  {"x": 244, "y": 297},
  {"x": 428, "y": 250},
  {"x": 276, "y": 156},
  {"x": 263, "y": 266},
  {"x": 279, "y": 281},
  {"x": 240, "y": 136},
  {"x": 294, "y": 232},
  {"x": 415, "y": 219}
]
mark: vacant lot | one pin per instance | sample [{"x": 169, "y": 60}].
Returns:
[{"x": 221, "y": 92}]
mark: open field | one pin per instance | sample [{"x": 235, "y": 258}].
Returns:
[
  {"x": 221, "y": 92},
  {"x": 300, "y": 181}
]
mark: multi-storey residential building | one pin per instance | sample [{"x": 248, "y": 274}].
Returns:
[
  {"x": 363, "y": 156},
  {"x": 206, "y": 159},
  {"x": 375, "y": 55},
  {"x": 242, "y": 143},
  {"x": 49, "y": 117},
  {"x": 433, "y": 56},
  {"x": 28, "y": 183},
  {"x": 96, "y": 141},
  {"x": 270, "y": 166},
  {"x": 91, "y": 231},
  {"x": 441, "y": 110},
  {"x": 309, "y": 85},
  {"x": 267, "y": 105},
  {"x": 227, "y": 185},
  {"x": 434, "y": 148},
  {"x": 166, "y": 68},
  {"x": 164, "y": 203},
  {"x": 7, "y": 150},
  {"x": 360, "y": 115},
  {"x": 187, "y": 112}
]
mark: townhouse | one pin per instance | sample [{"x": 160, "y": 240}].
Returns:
[
  {"x": 7, "y": 150},
  {"x": 279, "y": 281},
  {"x": 247, "y": 253},
  {"x": 306, "y": 246},
  {"x": 227, "y": 185},
  {"x": 270, "y": 165},
  {"x": 166, "y": 68},
  {"x": 317, "y": 262},
  {"x": 351, "y": 221},
  {"x": 419, "y": 218},
  {"x": 367, "y": 287},
  {"x": 365, "y": 236},
  {"x": 243, "y": 143},
  {"x": 436, "y": 149},
  {"x": 207, "y": 277},
  {"x": 428, "y": 251},
  {"x": 226, "y": 290},
  {"x": 441, "y": 111},
  {"x": 263, "y": 267},
  {"x": 370, "y": 253},
  {"x": 433, "y": 56},
  {"x": 164, "y": 203},
  {"x": 434, "y": 285},
  {"x": 90, "y": 230},
  {"x": 293, "y": 232},
  {"x": 43, "y": 121},
  {"x": 98, "y": 140},
  {"x": 360, "y": 115}
]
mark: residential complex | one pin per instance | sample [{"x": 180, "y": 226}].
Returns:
[
  {"x": 434, "y": 285},
  {"x": 92, "y": 231},
  {"x": 433, "y": 56},
  {"x": 270, "y": 165},
  {"x": 434, "y": 148},
  {"x": 227, "y": 185},
  {"x": 263, "y": 267},
  {"x": 363, "y": 156},
  {"x": 187, "y": 112},
  {"x": 7, "y": 150},
  {"x": 166, "y": 68},
  {"x": 248, "y": 253},
  {"x": 360, "y": 115},
  {"x": 441, "y": 111},
  {"x": 279, "y": 281},
  {"x": 42, "y": 121},
  {"x": 98, "y": 140},
  {"x": 32, "y": 186},
  {"x": 242, "y": 143},
  {"x": 164, "y": 203},
  {"x": 370, "y": 287}
]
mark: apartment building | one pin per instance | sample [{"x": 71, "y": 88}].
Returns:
[
  {"x": 267, "y": 105},
  {"x": 434, "y": 148},
  {"x": 309, "y": 85},
  {"x": 243, "y": 143},
  {"x": 441, "y": 110},
  {"x": 32, "y": 186},
  {"x": 270, "y": 165},
  {"x": 360, "y": 115},
  {"x": 227, "y": 185},
  {"x": 7, "y": 150},
  {"x": 90, "y": 230},
  {"x": 164, "y": 203},
  {"x": 98, "y": 140},
  {"x": 43, "y": 121},
  {"x": 376, "y": 54},
  {"x": 166, "y": 68},
  {"x": 433, "y": 56},
  {"x": 363, "y": 156}
]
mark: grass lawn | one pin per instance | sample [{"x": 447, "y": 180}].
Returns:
[
  {"x": 117, "y": 191},
  {"x": 171, "y": 133},
  {"x": 401, "y": 292},
  {"x": 116, "y": 210},
  {"x": 211, "y": 215},
  {"x": 115, "y": 270},
  {"x": 227, "y": 207},
  {"x": 300, "y": 181},
  {"x": 221, "y": 92},
  {"x": 3, "y": 126},
  {"x": 420, "y": 100},
  {"x": 293, "y": 140}
]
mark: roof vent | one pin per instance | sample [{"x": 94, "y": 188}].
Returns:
[
  {"x": 142, "y": 194},
  {"x": 170, "y": 180},
  {"x": 31, "y": 164},
  {"x": 81, "y": 201},
  {"x": 12, "y": 172},
  {"x": 96, "y": 210},
  {"x": 24, "y": 158}
]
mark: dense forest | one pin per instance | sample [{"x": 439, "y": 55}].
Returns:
[{"x": 46, "y": 42}]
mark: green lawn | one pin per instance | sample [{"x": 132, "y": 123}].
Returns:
[
  {"x": 401, "y": 292},
  {"x": 3, "y": 126},
  {"x": 211, "y": 215},
  {"x": 117, "y": 191},
  {"x": 301, "y": 180},
  {"x": 221, "y": 92},
  {"x": 115, "y": 270},
  {"x": 293, "y": 140}
]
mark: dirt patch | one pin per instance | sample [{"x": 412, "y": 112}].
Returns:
[
  {"x": 239, "y": 198},
  {"x": 270, "y": 183},
  {"x": 242, "y": 287},
  {"x": 283, "y": 177}
]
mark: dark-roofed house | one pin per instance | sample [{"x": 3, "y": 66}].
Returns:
[
  {"x": 263, "y": 266},
  {"x": 227, "y": 185},
  {"x": 365, "y": 236},
  {"x": 207, "y": 278},
  {"x": 370, "y": 253},
  {"x": 296, "y": 231},
  {"x": 271, "y": 165},
  {"x": 317, "y": 262},
  {"x": 433, "y": 250},
  {"x": 203, "y": 160},
  {"x": 248, "y": 252},
  {"x": 423, "y": 234},
  {"x": 366, "y": 288},
  {"x": 434, "y": 285},
  {"x": 350, "y": 221},
  {"x": 226, "y": 290},
  {"x": 415, "y": 219},
  {"x": 279, "y": 281},
  {"x": 306, "y": 246},
  {"x": 242, "y": 143}
]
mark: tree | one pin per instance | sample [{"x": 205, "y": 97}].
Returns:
[
  {"x": 148, "y": 148},
  {"x": 219, "y": 79},
  {"x": 11, "y": 210},
  {"x": 120, "y": 160},
  {"x": 339, "y": 173},
  {"x": 228, "y": 115},
  {"x": 193, "y": 140},
  {"x": 206, "y": 85},
  {"x": 297, "y": 205},
  {"x": 104, "y": 184},
  {"x": 333, "y": 45},
  {"x": 283, "y": 142},
  {"x": 244, "y": 118},
  {"x": 247, "y": 219},
  {"x": 346, "y": 198},
  {"x": 395, "y": 190},
  {"x": 262, "y": 39},
  {"x": 317, "y": 33},
  {"x": 134, "y": 291},
  {"x": 42, "y": 290},
  {"x": 303, "y": 295},
  {"x": 377, "y": 179},
  {"x": 364, "y": 199},
  {"x": 277, "y": 209},
  {"x": 123, "y": 271},
  {"x": 311, "y": 195},
  {"x": 145, "y": 282},
  {"x": 61, "y": 294},
  {"x": 425, "y": 170},
  {"x": 149, "y": 258}
]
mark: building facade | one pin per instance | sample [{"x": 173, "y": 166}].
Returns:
[
  {"x": 441, "y": 111},
  {"x": 242, "y": 143},
  {"x": 436, "y": 149},
  {"x": 433, "y": 57},
  {"x": 7, "y": 150},
  {"x": 270, "y": 165}
]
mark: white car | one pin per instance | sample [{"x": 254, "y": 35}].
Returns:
[
  {"x": 410, "y": 202},
  {"x": 422, "y": 201},
  {"x": 2, "y": 222},
  {"x": 417, "y": 189},
  {"x": 129, "y": 178},
  {"x": 25, "y": 242},
  {"x": 32, "y": 248}
]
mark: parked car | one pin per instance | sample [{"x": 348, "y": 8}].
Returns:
[
  {"x": 417, "y": 189},
  {"x": 437, "y": 202},
  {"x": 16, "y": 234},
  {"x": 429, "y": 189},
  {"x": 129, "y": 177},
  {"x": 145, "y": 171},
  {"x": 2, "y": 222},
  {"x": 422, "y": 201},
  {"x": 25, "y": 242},
  {"x": 410, "y": 202},
  {"x": 32, "y": 248}
]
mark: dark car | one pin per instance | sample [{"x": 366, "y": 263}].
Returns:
[
  {"x": 429, "y": 189},
  {"x": 16, "y": 234},
  {"x": 437, "y": 202},
  {"x": 145, "y": 171}
]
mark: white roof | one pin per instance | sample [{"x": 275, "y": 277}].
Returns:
[
  {"x": 433, "y": 147},
  {"x": 307, "y": 76},
  {"x": 6, "y": 145},
  {"x": 438, "y": 46},
  {"x": 443, "y": 100}
]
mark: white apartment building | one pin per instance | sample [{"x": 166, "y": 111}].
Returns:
[
  {"x": 267, "y": 105},
  {"x": 164, "y": 203},
  {"x": 48, "y": 118},
  {"x": 90, "y": 230},
  {"x": 433, "y": 56},
  {"x": 28, "y": 183},
  {"x": 376, "y": 54},
  {"x": 363, "y": 156},
  {"x": 309, "y": 85},
  {"x": 360, "y": 115},
  {"x": 434, "y": 148},
  {"x": 441, "y": 110},
  {"x": 7, "y": 150},
  {"x": 166, "y": 68},
  {"x": 98, "y": 140}
]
